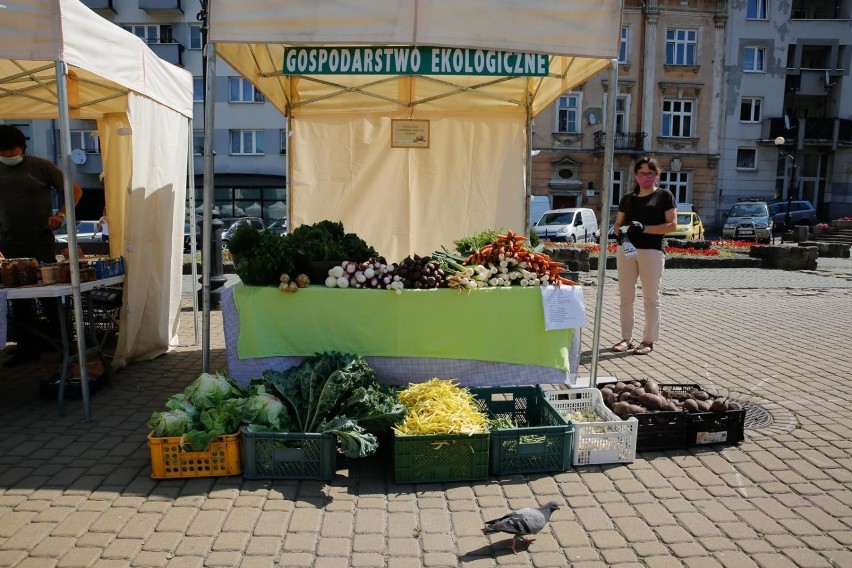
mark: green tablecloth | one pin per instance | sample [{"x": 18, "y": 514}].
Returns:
[{"x": 493, "y": 324}]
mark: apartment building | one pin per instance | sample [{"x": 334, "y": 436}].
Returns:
[
  {"x": 787, "y": 76},
  {"x": 249, "y": 134},
  {"x": 668, "y": 106}
]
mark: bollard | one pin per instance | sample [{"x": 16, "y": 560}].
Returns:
[
  {"x": 217, "y": 273},
  {"x": 801, "y": 232}
]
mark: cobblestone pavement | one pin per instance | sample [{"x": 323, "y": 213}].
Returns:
[{"x": 79, "y": 495}]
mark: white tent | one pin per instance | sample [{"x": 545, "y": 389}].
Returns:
[
  {"x": 474, "y": 175},
  {"x": 58, "y": 59}
]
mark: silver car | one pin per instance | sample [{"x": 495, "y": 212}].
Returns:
[
  {"x": 85, "y": 233},
  {"x": 748, "y": 220}
]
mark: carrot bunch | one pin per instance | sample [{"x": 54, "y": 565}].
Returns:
[{"x": 508, "y": 254}]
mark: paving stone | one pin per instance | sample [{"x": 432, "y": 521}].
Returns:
[
  {"x": 123, "y": 548},
  {"x": 195, "y": 546}
]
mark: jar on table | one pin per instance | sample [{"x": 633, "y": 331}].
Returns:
[
  {"x": 50, "y": 274},
  {"x": 28, "y": 271},
  {"x": 9, "y": 272},
  {"x": 64, "y": 272}
]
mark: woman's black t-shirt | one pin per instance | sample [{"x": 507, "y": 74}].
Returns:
[{"x": 648, "y": 210}]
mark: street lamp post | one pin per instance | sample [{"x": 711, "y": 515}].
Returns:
[{"x": 788, "y": 217}]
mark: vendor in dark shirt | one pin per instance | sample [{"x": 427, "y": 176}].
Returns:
[{"x": 27, "y": 220}]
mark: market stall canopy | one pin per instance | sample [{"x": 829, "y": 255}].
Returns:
[
  {"x": 253, "y": 36},
  {"x": 464, "y": 170},
  {"x": 143, "y": 106}
]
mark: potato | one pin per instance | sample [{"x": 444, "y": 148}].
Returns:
[
  {"x": 651, "y": 401},
  {"x": 608, "y": 397},
  {"x": 719, "y": 405},
  {"x": 625, "y": 395},
  {"x": 733, "y": 405},
  {"x": 636, "y": 409},
  {"x": 691, "y": 405},
  {"x": 701, "y": 395},
  {"x": 620, "y": 408},
  {"x": 652, "y": 387},
  {"x": 637, "y": 392},
  {"x": 619, "y": 386},
  {"x": 703, "y": 405},
  {"x": 670, "y": 406}
]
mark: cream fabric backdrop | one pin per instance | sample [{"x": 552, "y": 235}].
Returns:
[
  {"x": 405, "y": 201},
  {"x": 153, "y": 229}
]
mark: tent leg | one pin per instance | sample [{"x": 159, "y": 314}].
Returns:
[
  {"x": 207, "y": 225},
  {"x": 609, "y": 150},
  {"x": 71, "y": 219},
  {"x": 192, "y": 231}
]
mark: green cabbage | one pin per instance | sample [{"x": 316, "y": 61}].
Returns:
[
  {"x": 170, "y": 423},
  {"x": 208, "y": 390}
]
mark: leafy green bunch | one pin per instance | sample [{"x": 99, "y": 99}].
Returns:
[{"x": 337, "y": 393}]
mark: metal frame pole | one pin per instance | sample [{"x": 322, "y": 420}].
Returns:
[
  {"x": 206, "y": 224},
  {"x": 609, "y": 149},
  {"x": 71, "y": 220}
]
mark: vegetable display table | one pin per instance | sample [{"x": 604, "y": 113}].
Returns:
[
  {"x": 484, "y": 337},
  {"x": 66, "y": 342}
]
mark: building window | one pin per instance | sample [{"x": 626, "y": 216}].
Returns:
[
  {"x": 680, "y": 47},
  {"x": 283, "y": 140},
  {"x": 677, "y": 183},
  {"x": 750, "y": 109},
  {"x": 85, "y": 140},
  {"x": 198, "y": 89},
  {"x": 242, "y": 91},
  {"x": 622, "y": 46},
  {"x": 622, "y": 112},
  {"x": 754, "y": 60},
  {"x": 677, "y": 118},
  {"x": 617, "y": 189},
  {"x": 197, "y": 142},
  {"x": 151, "y": 34},
  {"x": 568, "y": 113},
  {"x": 195, "y": 36},
  {"x": 246, "y": 142},
  {"x": 746, "y": 159},
  {"x": 756, "y": 10}
]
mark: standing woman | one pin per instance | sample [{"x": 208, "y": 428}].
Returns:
[{"x": 648, "y": 213}]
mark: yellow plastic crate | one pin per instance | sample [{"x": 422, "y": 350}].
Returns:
[{"x": 169, "y": 460}]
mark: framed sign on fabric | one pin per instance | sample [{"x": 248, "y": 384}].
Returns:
[{"x": 409, "y": 133}]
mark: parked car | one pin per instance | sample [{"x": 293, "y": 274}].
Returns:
[
  {"x": 748, "y": 220},
  {"x": 801, "y": 213},
  {"x": 278, "y": 226},
  {"x": 689, "y": 226},
  {"x": 255, "y": 222},
  {"x": 569, "y": 225},
  {"x": 85, "y": 233}
]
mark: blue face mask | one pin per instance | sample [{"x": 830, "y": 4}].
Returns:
[{"x": 13, "y": 161}]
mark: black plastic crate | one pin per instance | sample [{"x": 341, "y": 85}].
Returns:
[
  {"x": 705, "y": 428},
  {"x": 659, "y": 429},
  {"x": 544, "y": 439}
]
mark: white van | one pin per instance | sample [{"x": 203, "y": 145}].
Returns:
[
  {"x": 569, "y": 225},
  {"x": 539, "y": 204}
]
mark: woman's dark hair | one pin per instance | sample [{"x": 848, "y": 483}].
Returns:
[
  {"x": 652, "y": 164},
  {"x": 11, "y": 137}
]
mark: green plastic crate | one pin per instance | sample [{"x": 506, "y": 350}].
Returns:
[
  {"x": 441, "y": 457},
  {"x": 544, "y": 440},
  {"x": 288, "y": 455}
]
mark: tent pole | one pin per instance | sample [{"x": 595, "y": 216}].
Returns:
[
  {"x": 528, "y": 176},
  {"x": 71, "y": 220},
  {"x": 606, "y": 192},
  {"x": 190, "y": 218},
  {"x": 288, "y": 123},
  {"x": 206, "y": 230}
]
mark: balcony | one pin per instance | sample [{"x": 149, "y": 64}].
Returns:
[
  {"x": 99, "y": 5},
  {"x": 821, "y": 10},
  {"x": 157, "y": 5},
  {"x": 817, "y": 131},
  {"x": 625, "y": 142},
  {"x": 171, "y": 52}
]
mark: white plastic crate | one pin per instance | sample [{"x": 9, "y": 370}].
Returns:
[{"x": 612, "y": 440}]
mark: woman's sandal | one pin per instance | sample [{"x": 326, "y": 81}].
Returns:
[
  {"x": 623, "y": 345},
  {"x": 644, "y": 348}
]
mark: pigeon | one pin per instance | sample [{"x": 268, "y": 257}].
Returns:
[{"x": 522, "y": 522}]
